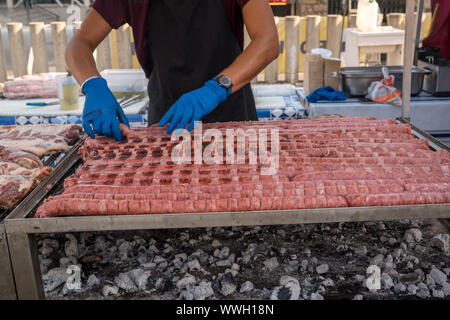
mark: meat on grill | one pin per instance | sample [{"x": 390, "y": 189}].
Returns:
[
  {"x": 24, "y": 159},
  {"x": 70, "y": 132},
  {"x": 16, "y": 182},
  {"x": 391, "y": 199},
  {"x": 39, "y": 140},
  {"x": 11, "y": 168},
  {"x": 14, "y": 188},
  {"x": 20, "y": 149},
  {"x": 324, "y": 163}
]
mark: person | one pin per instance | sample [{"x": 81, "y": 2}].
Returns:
[
  {"x": 192, "y": 53},
  {"x": 440, "y": 35}
]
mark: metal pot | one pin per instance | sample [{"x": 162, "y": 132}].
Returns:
[{"x": 355, "y": 81}]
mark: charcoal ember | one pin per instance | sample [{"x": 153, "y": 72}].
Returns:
[
  {"x": 185, "y": 281},
  {"x": 323, "y": 268},
  {"x": 271, "y": 264},
  {"x": 247, "y": 286},
  {"x": 438, "y": 276},
  {"x": 194, "y": 265},
  {"x": 201, "y": 291},
  {"x": 289, "y": 289},
  {"x": 71, "y": 246},
  {"x": 441, "y": 241},
  {"x": 92, "y": 281},
  {"x": 139, "y": 277},
  {"x": 249, "y": 248},
  {"x": 55, "y": 278},
  {"x": 109, "y": 290},
  {"x": 124, "y": 282}
]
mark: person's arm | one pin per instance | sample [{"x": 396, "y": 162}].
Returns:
[
  {"x": 80, "y": 50},
  {"x": 102, "y": 114},
  {"x": 263, "y": 48}
]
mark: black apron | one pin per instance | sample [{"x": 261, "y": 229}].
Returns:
[{"x": 191, "y": 42}]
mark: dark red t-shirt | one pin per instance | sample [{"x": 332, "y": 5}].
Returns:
[
  {"x": 440, "y": 37},
  {"x": 135, "y": 13}
]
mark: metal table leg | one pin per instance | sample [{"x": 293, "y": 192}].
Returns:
[
  {"x": 408, "y": 59},
  {"x": 25, "y": 263},
  {"x": 7, "y": 286}
]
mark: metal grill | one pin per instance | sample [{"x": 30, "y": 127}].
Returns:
[{"x": 22, "y": 227}]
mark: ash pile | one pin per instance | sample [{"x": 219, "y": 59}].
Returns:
[{"x": 303, "y": 262}]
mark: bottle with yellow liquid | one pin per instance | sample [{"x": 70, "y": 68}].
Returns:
[{"x": 69, "y": 92}]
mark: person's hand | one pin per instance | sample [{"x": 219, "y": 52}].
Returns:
[
  {"x": 193, "y": 106},
  {"x": 102, "y": 113}
]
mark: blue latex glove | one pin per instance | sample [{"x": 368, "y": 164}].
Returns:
[
  {"x": 101, "y": 110},
  {"x": 325, "y": 93},
  {"x": 193, "y": 106}
]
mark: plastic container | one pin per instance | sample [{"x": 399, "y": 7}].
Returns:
[
  {"x": 367, "y": 15},
  {"x": 125, "y": 82},
  {"x": 325, "y": 53},
  {"x": 68, "y": 92}
]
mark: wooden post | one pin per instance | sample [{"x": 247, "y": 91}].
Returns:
[
  {"x": 37, "y": 35},
  {"x": 408, "y": 59},
  {"x": 59, "y": 44},
  {"x": 271, "y": 74},
  {"x": 76, "y": 26},
  {"x": 3, "y": 70},
  {"x": 312, "y": 33},
  {"x": 334, "y": 34},
  {"x": 104, "y": 60},
  {"x": 422, "y": 25},
  {"x": 17, "y": 46},
  {"x": 292, "y": 48},
  {"x": 396, "y": 20},
  {"x": 352, "y": 21},
  {"x": 247, "y": 39},
  {"x": 247, "y": 42},
  {"x": 124, "y": 47},
  {"x": 380, "y": 19}
]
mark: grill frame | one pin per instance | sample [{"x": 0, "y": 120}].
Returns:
[
  {"x": 7, "y": 286},
  {"x": 21, "y": 230}
]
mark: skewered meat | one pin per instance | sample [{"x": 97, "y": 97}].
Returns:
[
  {"x": 14, "y": 188},
  {"x": 324, "y": 163},
  {"x": 24, "y": 159},
  {"x": 39, "y": 140},
  {"x": 37, "y": 146},
  {"x": 16, "y": 182},
  {"x": 11, "y": 168}
]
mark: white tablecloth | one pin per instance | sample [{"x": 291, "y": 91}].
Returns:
[{"x": 19, "y": 108}]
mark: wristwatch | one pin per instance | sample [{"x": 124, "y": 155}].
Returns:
[{"x": 225, "y": 82}]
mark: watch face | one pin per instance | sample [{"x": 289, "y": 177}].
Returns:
[{"x": 225, "y": 81}]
